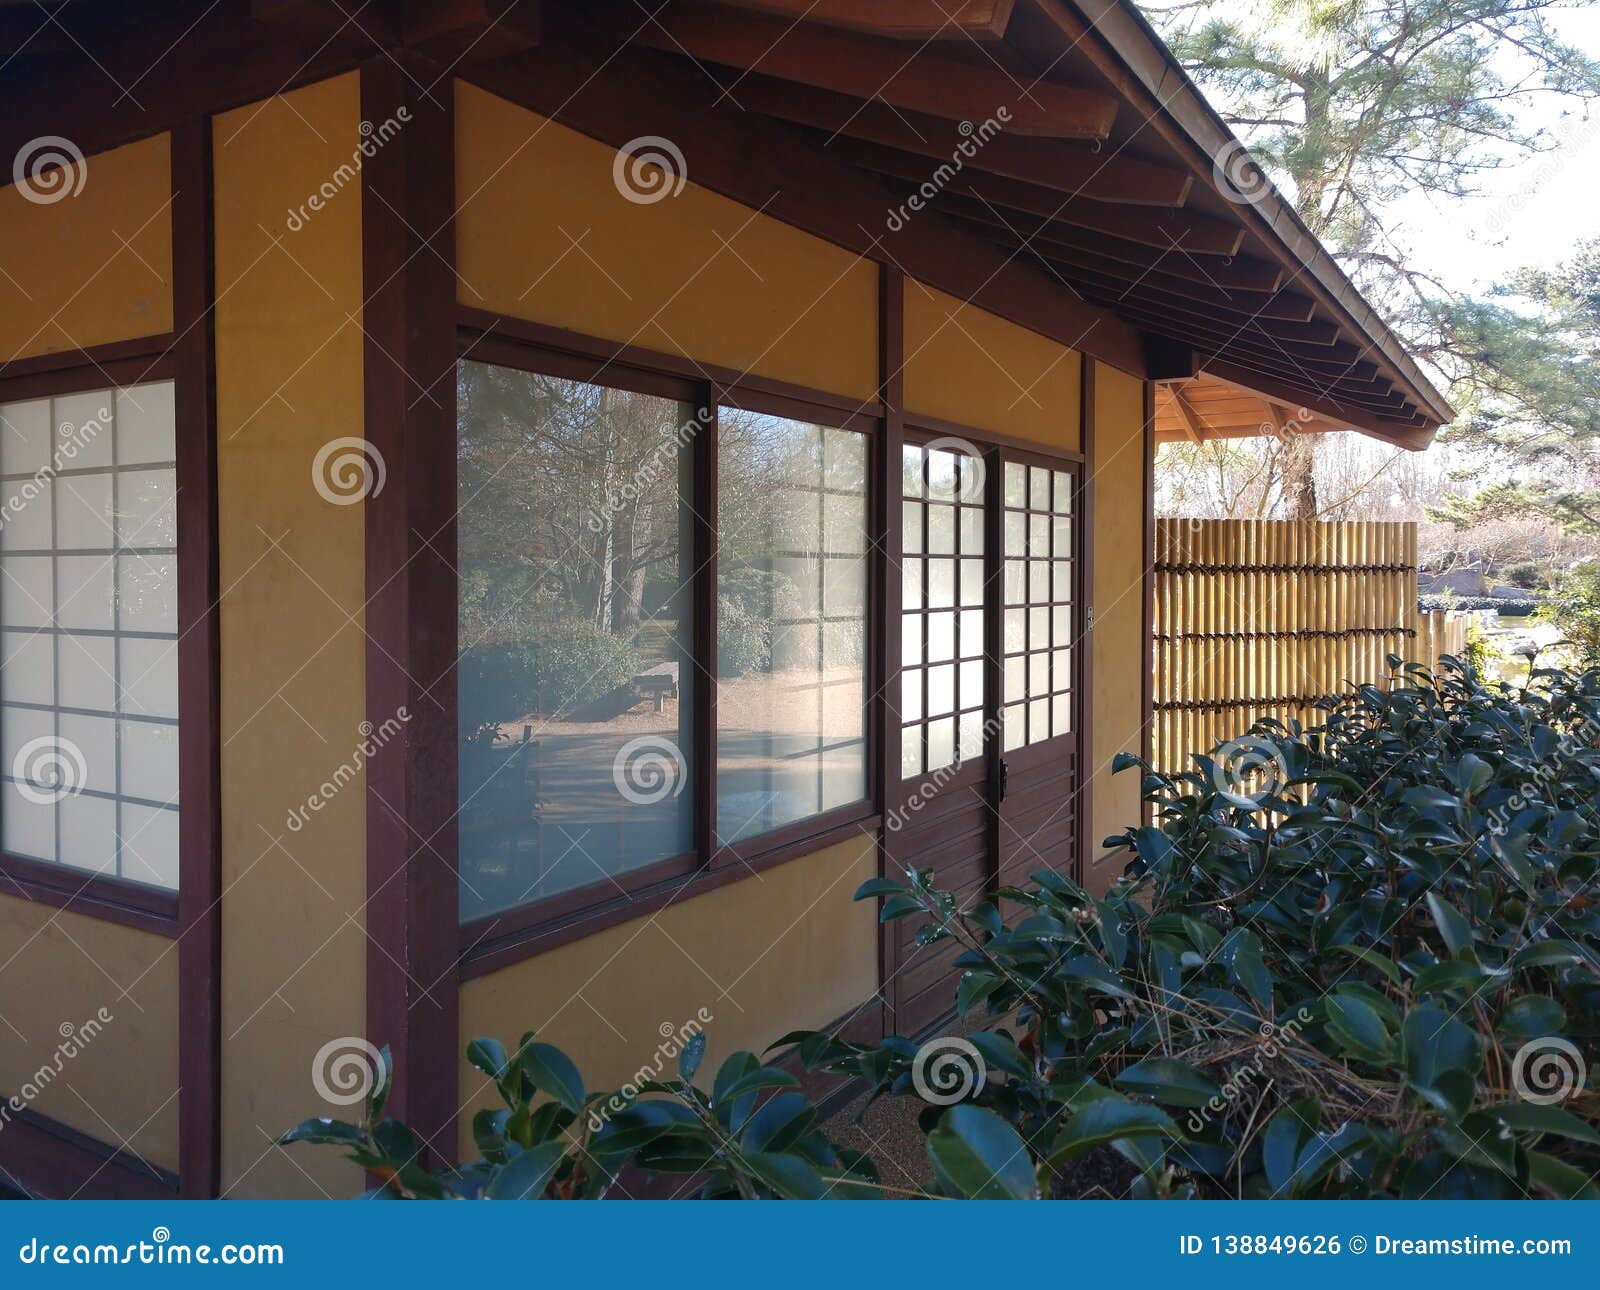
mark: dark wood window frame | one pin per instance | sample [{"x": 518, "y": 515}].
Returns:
[
  {"x": 120, "y": 366},
  {"x": 496, "y": 940}
]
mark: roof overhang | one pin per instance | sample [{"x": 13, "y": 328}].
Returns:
[{"x": 1055, "y": 163}]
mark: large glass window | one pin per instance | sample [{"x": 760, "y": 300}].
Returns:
[
  {"x": 576, "y": 672},
  {"x": 89, "y": 620},
  {"x": 791, "y": 621}
]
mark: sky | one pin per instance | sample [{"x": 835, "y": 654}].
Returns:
[{"x": 1530, "y": 214}]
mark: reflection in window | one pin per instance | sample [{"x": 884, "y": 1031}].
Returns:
[
  {"x": 791, "y": 621},
  {"x": 575, "y": 674},
  {"x": 89, "y": 621}
]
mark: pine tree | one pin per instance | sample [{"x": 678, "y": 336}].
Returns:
[{"x": 1357, "y": 102}]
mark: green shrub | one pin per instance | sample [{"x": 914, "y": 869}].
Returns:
[
  {"x": 1353, "y": 963},
  {"x": 1574, "y": 606},
  {"x": 552, "y": 1140},
  {"x": 1359, "y": 961},
  {"x": 574, "y": 663},
  {"x": 744, "y": 638}
]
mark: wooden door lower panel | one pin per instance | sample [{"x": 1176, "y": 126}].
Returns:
[
  {"x": 948, "y": 833},
  {"x": 1039, "y": 822}
]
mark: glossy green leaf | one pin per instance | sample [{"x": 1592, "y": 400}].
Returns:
[
  {"x": 553, "y": 1072},
  {"x": 527, "y": 1174},
  {"x": 978, "y": 1156},
  {"x": 1169, "y": 1081},
  {"x": 1104, "y": 1120}
]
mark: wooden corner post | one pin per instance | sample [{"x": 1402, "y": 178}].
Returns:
[{"x": 409, "y": 300}]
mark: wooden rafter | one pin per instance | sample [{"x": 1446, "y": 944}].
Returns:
[
  {"x": 1186, "y": 414},
  {"x": 1285, "y": 306},
  {"x": 866, "y": 67},
  {"x": 896, "y": 19},
  {"x": 1060, "y": 165},
  {"x": 1164, "y": 229},
  {"x": 1238, "y": 273}
]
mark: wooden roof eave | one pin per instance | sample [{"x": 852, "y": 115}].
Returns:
[{"x": 1133, "y": 57}]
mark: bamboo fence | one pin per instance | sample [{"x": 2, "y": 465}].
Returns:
[
  {"x": 1264, "y": 618},
  {"x": 1446, "y": 631}
]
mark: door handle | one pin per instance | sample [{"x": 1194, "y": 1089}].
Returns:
[{"x": 1001, "y": 776}]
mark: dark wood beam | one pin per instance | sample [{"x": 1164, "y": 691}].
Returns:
[
  {"x": 1408, "y": 430},
  {"x": 1191, "y": 420},
  {"x": 1166, "y": 230},
  {"x": 460, "y": 31},
  {"x": 165, "y": 70},
  {"x": 1060, "y": 165},
  {"x": 452, "y": 31},
  {"x": 864, "y": 67},
  {"x": 1167, "y": 359},
  {"x": 409, "y": 293},
  {"x": 1236, "y": 307},
  {"x": 1240, "y": 273},
  {"x": 616, "y": 94},
  {"x": 1339, "y": 359},
  {"x": 896, "y": 19}
]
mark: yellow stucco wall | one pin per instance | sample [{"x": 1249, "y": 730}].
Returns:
[
  {"x": 1120, "y": 650},
  {"x": 92, "y": 266},
  {"x": 117, "y": 1078},
  {"x": 545, "y": 233},
  {"x": 779, "y": 951},
  {"x": 965, "y": 365},
  {"x": 289, "y": 380}
]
